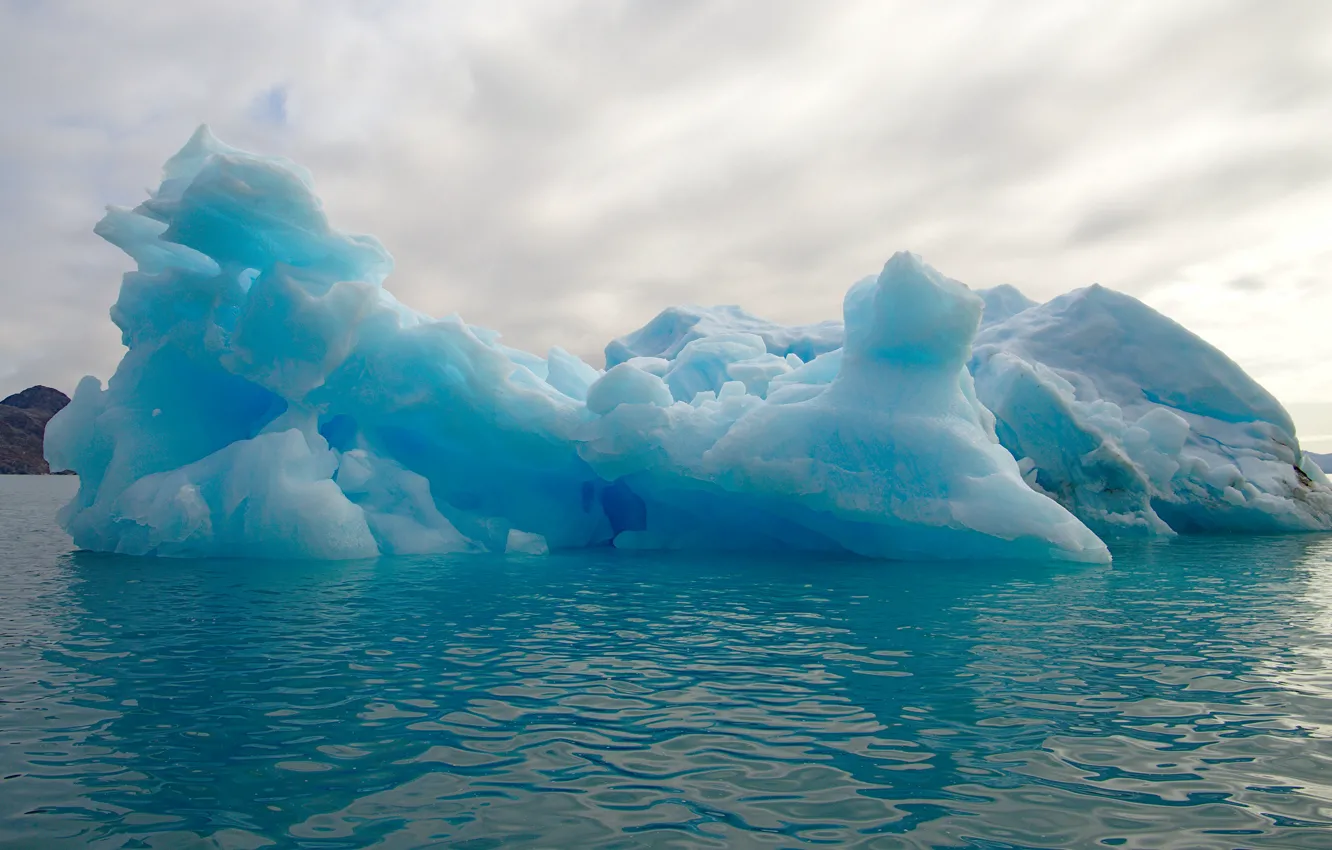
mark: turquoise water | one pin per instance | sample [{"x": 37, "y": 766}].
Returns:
[{"x": 1179, "y": 699}]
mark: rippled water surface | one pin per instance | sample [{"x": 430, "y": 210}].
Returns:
[{"x": 1179, "y": 699}]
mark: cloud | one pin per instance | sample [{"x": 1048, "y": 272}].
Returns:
[
  {"x": 1246, "y": 283},
  {"x": 561, "y": 171},
  {"x": 270, "y": 107}
]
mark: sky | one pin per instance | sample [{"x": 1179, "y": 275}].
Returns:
[{"x": 561, "y": 171}]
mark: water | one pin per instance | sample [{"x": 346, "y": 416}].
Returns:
[{"x": 1180, "y": 699}]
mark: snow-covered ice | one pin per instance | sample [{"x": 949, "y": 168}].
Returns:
[
  {"x": 277, "y": 401},
  {"x": 1137, "y": 425}
]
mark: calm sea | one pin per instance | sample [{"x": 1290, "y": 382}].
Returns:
[{"x": 1179, "y": 699}]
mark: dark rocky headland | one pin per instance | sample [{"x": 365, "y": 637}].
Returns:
[{"x": 23, "y": 418}]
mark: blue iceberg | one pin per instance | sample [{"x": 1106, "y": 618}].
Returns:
[{"x": 276, "y": 401}]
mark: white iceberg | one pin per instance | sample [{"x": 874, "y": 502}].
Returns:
[{"x": 1137, "y": 425}]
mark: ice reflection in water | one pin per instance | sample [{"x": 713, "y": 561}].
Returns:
[{"x": 1178, "y": 699}]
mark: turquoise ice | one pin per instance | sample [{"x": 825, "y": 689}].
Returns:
[{"x": 276, "y": 401}]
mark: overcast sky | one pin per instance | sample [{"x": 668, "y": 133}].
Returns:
[{"x": 561, "y": 171}]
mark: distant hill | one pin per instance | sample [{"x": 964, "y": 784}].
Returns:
[
  {"x": 23, "y": 418},
  {"x": 1324, "y": 461}
]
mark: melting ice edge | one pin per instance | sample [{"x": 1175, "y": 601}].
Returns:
[{"x": 276, "y": 401}]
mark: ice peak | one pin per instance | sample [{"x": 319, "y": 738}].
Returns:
[{"x": 911, "y": 314}]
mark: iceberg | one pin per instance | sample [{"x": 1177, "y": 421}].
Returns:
[
  {"x": 892, "y": 457},
  {"x": 1138, "y": 426},
  {"x": 1127, "y": 419},
  {"x": 275, "y": 400},
  {"x": 1323, "y": 461},
  {"x": 675, "y": 327},
  {"x": 1002, "y": 302}
]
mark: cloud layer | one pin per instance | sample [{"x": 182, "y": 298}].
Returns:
[{"x": 563, "y": 170}]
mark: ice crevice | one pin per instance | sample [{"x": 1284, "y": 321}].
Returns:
[{"x": 276, "y": 401}]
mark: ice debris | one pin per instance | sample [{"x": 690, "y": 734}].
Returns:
[{"x": 276, "y": 401}]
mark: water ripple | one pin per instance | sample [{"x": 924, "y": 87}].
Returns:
[{"x": 1181, "y": 699}]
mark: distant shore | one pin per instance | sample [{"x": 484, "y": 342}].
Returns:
[{"x": 23, "y": 418}]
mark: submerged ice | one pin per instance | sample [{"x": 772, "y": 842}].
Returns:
[{"x": 276, "y": 401}]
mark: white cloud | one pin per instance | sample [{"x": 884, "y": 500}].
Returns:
[{"x": 563, "y": 170}]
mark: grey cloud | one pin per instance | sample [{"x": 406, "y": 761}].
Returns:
[
  {"x": 1217, "y": 191},
  {"x": 561, "y": 171},
  {"x": 1106, "y": 222},
  {"x": 1246, "y": 283}
]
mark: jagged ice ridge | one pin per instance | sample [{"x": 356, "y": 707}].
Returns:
[{"x": 276, "y": 401}]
